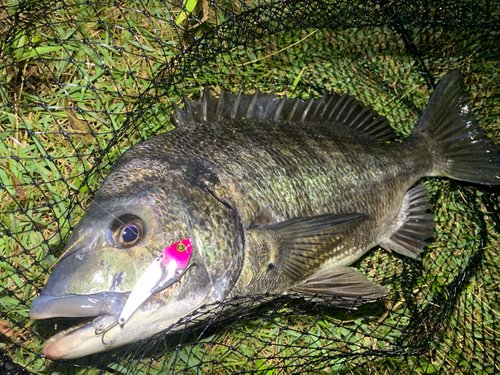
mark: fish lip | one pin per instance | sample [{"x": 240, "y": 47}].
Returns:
[
  {"x": 66, "y": 344},
  {"x": 76, "y": 341},
  {"x": 78, "y": 305},
  {"x": 51, "y": 349}
]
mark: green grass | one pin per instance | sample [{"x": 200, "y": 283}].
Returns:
[{"x": 101, "y": 81}]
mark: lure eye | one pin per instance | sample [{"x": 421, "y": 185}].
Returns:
[
  {"x": 181, "y": 247},
  {"x": 127, "y": 231}
]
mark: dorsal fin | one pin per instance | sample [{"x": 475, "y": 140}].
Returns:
[{"x": 345, "y": 110}]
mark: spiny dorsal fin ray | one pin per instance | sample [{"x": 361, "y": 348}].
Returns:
[
  {"x": 319, "y": 106},
  {"x": 418, "y": 225},
  {"x": 266, "y": 106},
  {"x": 252, "y": 104},
  {"x": 180, "y": 117},
  {"x": 279, "y": 109},
  {"x": 190, "y": 113},
  {"x": 344, "y": 110},
  {"x": 351, "y": 286},
  {"x": 306, "y": 110},
  {"x": 208, "y": 103},
  {"x": 220, "y": 105},
  {"x": 303, "y": 244},
  {"x": 236, "y": 106}
]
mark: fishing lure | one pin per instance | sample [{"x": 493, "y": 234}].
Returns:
[{"x": 165, "y": 270}]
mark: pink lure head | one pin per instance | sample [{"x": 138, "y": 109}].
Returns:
[
  {"x": 179, "y": 252},
  {"x": 165, "y": 270}
]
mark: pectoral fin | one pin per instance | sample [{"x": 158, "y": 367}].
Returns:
[
  {"x": 352, "y": 286},
  {"x": 302, "y": 245}
]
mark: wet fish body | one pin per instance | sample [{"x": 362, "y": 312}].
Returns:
[{"x": 275, "y": 196}]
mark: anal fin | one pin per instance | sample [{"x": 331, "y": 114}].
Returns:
[
  {"x": 417, "y": 225},
  {"x": 351, "y": 286}
]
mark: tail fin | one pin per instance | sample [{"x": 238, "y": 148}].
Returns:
[{"x": 461, "y": 149}]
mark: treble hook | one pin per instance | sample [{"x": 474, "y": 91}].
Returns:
[
  {"x": 102, "y": 331},
  {"x": 104, "y": 334}
]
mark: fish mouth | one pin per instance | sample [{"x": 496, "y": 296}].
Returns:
[{"x": 104, "y": 307}]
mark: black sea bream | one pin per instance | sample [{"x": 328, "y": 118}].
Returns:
[{"x": 267, "y": 195}]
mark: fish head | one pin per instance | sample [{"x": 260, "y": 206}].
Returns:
[{"x": 132, "y": 220}]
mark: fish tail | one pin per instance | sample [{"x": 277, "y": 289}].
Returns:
[{"x": 459, "y": 147}]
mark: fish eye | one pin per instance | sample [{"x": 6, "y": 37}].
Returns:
[
  {"x": 130, "y": 234},
  {"x": 127, "y": 231}
]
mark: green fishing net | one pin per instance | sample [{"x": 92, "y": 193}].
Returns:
[{"x": 81, "y": 81}]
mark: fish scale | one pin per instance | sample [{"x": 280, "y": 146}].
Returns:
[
  {"x": 281, "y": 203},
  {"x": 251, "y": 188}
]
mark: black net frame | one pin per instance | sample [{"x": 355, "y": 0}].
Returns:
[{"x": 84, "y": 80}]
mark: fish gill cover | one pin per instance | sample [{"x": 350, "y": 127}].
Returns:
[{"x": 82, "y": 81}]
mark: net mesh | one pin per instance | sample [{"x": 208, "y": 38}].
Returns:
[{"x": 81, "y": 81}]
